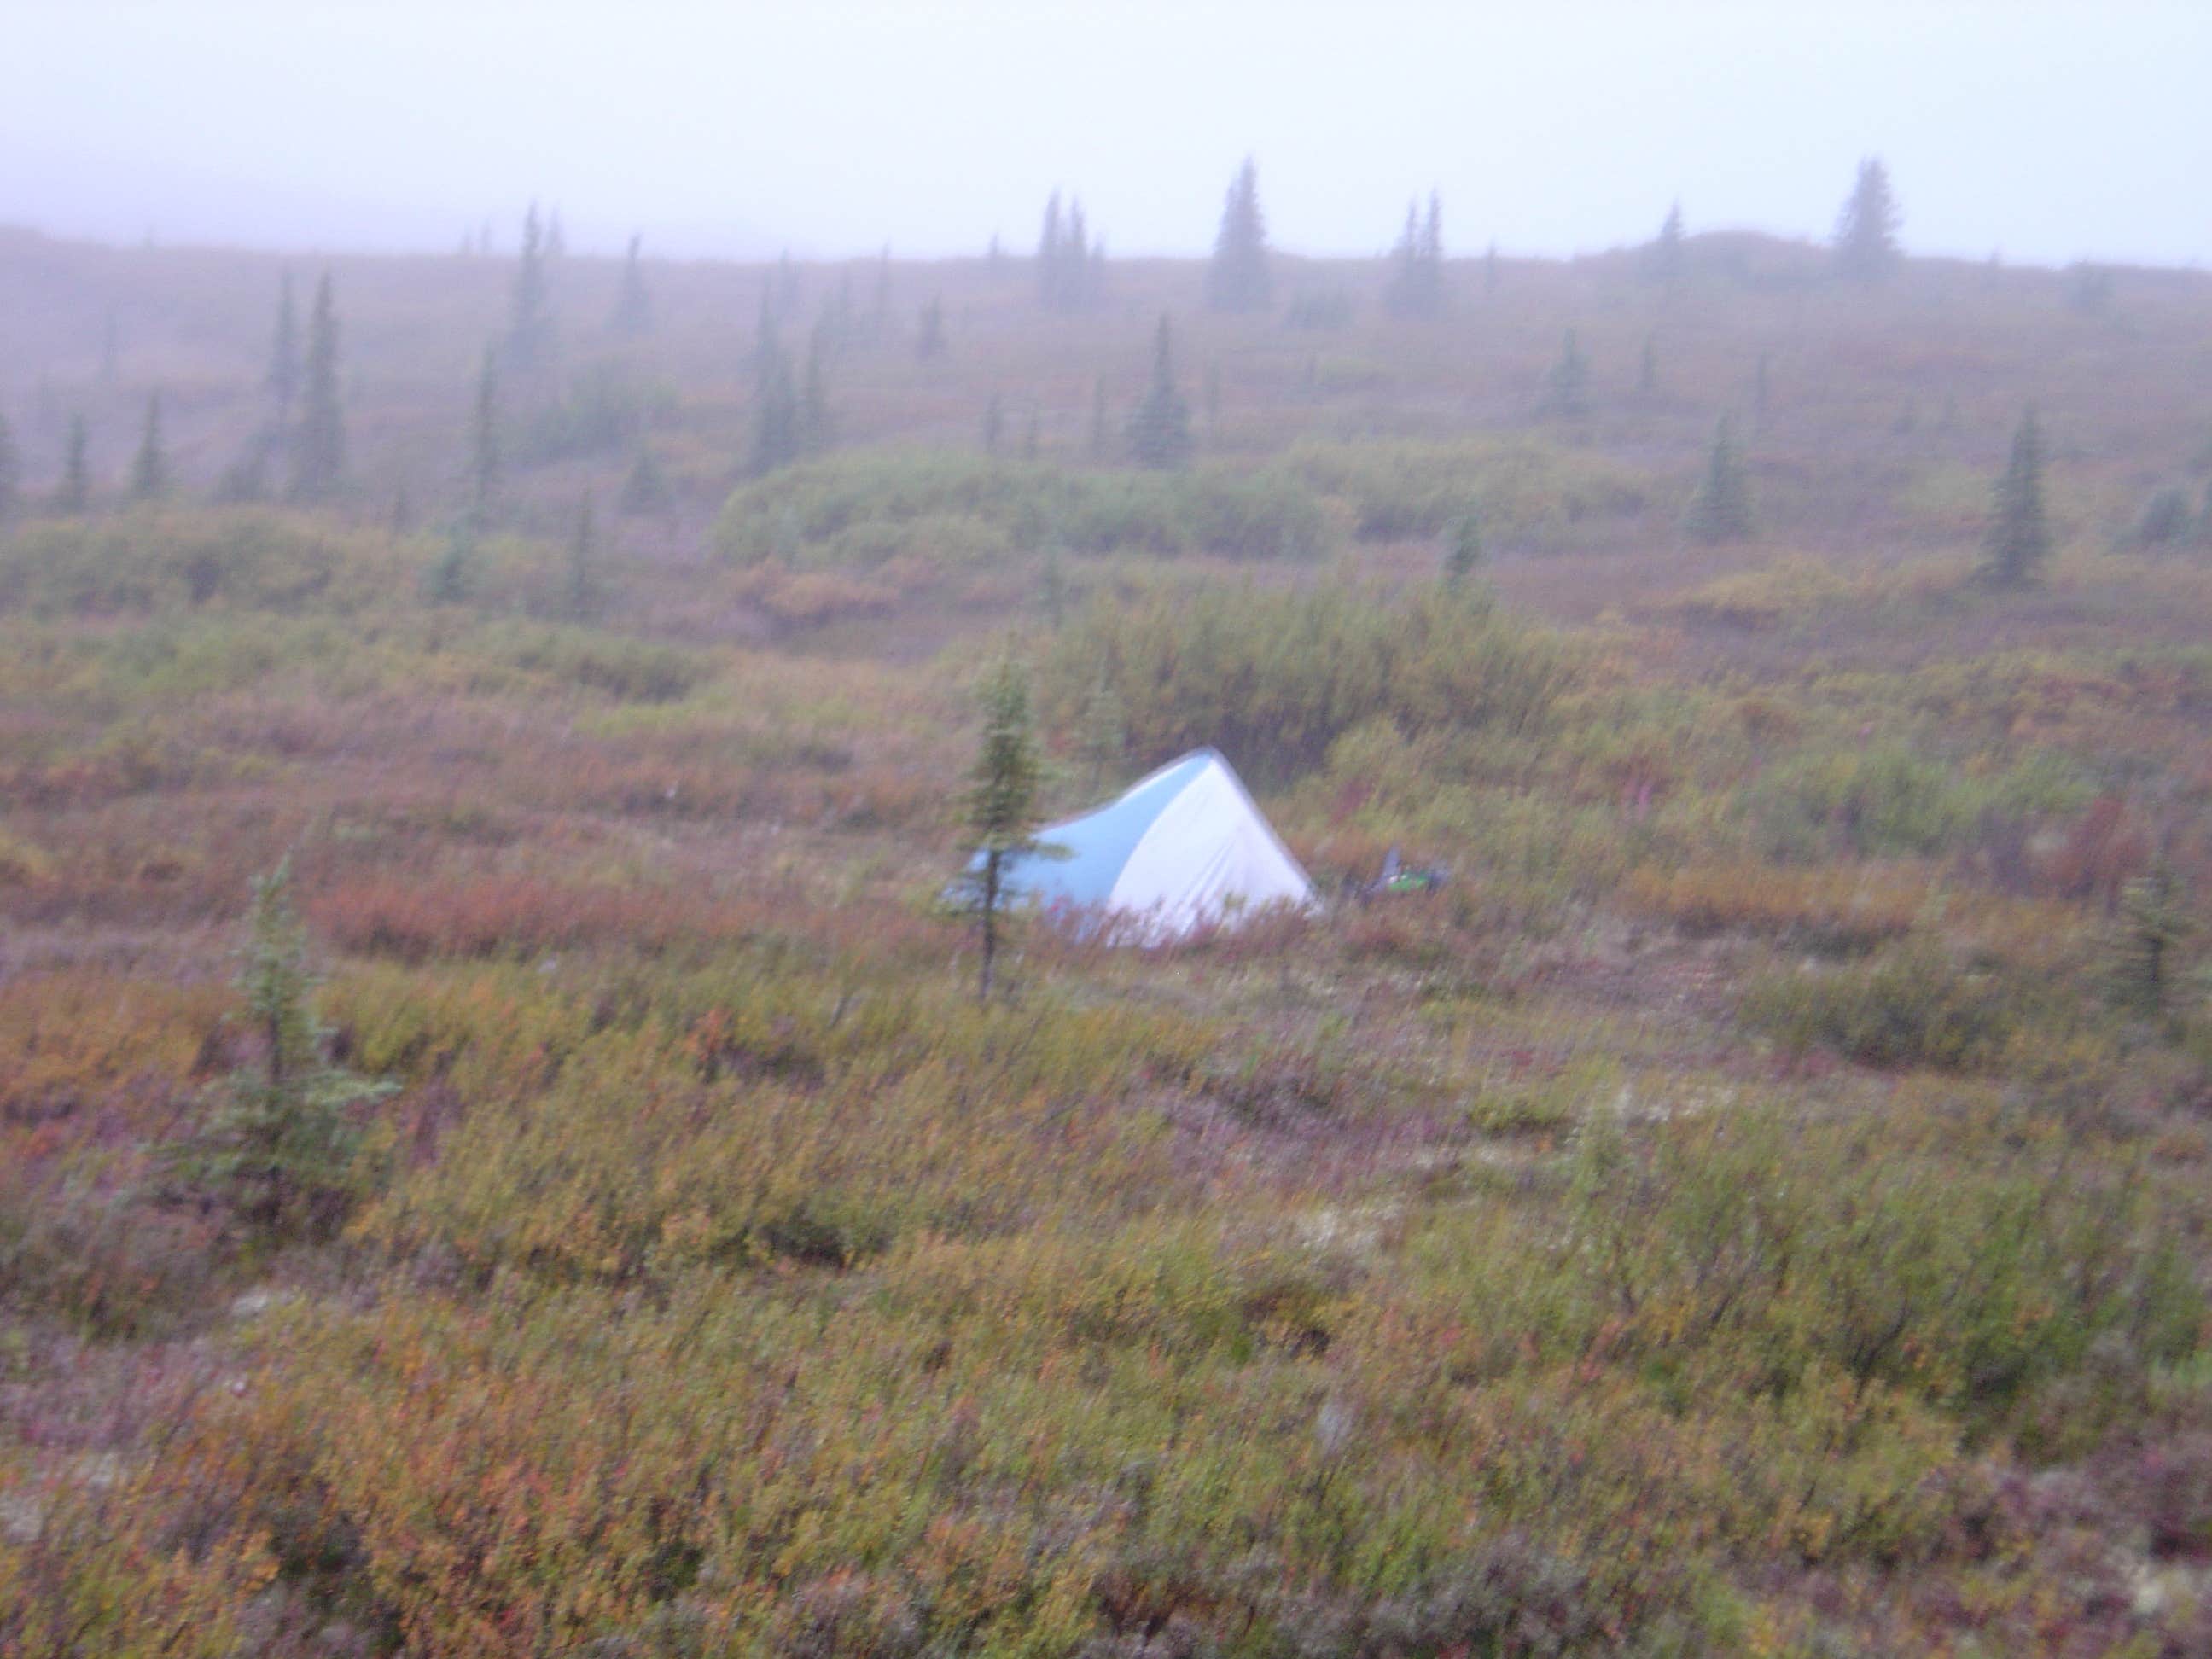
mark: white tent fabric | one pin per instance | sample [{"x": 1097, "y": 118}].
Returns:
[{"x": 1182, "y": 850}]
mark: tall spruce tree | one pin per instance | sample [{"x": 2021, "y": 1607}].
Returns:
[
  {"x": 1159, "y": 426},
  {"x": 484, "y": 437},
  {"x": 283, "y": 378},
  {"x": 1101, "y": 436},
  {"x": 11, "y": 472},
  {"x": 1238, "y": 279},
  {"x": 2019, "y": 542},
  {"x": 929, "y": 335},
  {"x": 1720, "y": 510},
  {"x": 319, "y": 437},
  {"x": 1866, "y": 230},
  {"x": 150, "y": 468},
  {"x": 633, "y": 313},
  {"x": 74, "y": 493},
  {"x": 1002, "y": 805},
  {"x": 530, "y": 327},
  {"x": 994, "y": 423}
]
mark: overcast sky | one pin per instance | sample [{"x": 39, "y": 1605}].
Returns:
[{"x": 2046, "y": 129}]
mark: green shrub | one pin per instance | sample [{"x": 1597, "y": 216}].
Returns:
[
  {"x": 1912, "y": 1006},
  {"x": 1526, "y": 492},
  {"x": 868, "y": 506},
  {"x": 1273, "y": 678}
]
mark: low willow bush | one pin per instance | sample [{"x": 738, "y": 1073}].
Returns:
[
  {"x": 1910, "y": 1006},
  {"x": 1272, "y": 679},
  {"x": 1524, "y": 492},
  {"x": 868, "y": 508}
]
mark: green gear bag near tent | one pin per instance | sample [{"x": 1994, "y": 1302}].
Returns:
[{"x": 1182, "y": 850}]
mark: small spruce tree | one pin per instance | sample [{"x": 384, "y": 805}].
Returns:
[
  {"x": 484, "y": 437},
  {"x": 929, "y": 335},
  {"x": 284, "y": 377},
  {"x": 777, "y": 438},
  {"x": 1866, "y": 229},
  {"x": 1463, "y": 547},
  {"x": 1159, "y": 426},
  {"x": 1416, "y": 286},
  {"x": 1238, "y": 279},
  {"x": 633, "y": 313},
  {"x": 1663, "y": 259},
  {"x": 581, "y": 595},
  {"x": 318, "y": 436},
  {"x": 281, "y": 1152},
  {"x": 2019, "y": 542},
  {"x": 11, "y": 472},
  {"x": 817, "y": 425},
  {"x": 1720, "y": 510},
  {"x": 1102, "y": 735},
  {"x": 994, "y": 424},
  {"x": 451, "y": 575},
  {"x": 1647, "y": 374},
  {"x": 1567, "y": 386},
  {"x": 530, "y": 326},
  {"x": 2142, "y": 948},
  {"x": 74, "y": 493},
  {"x": 645, "y": 488},
  {"x": 1002, "y": 805},
  {"x": 1102, "y": 437},
  {"x": 150, "y": 468}
]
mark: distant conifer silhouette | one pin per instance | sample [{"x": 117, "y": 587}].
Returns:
[
  {"x": 11, "y": 472},
  {"x": 1463, "y": 549},
  {"x": 645, "y": 487},
  {"x": 1664, "y": 258},
  {"x": 580, "y": 592},
  {"x": 530, "y": 326},
  {"x": 318, "y": 436},
  {"x": 1866, "y": 230},
  {"x": 1720, "y": 510},
  {"x": 633, "y": 313},
  {"x": 74, "y": 493},
  {"x": 150, "y": 468},
  {"x": 777, "y": 438},
  {"x": 1238, "y": 278},
  {"x": 284, "y": 377},
  {"x": 483, "y": 439},
  {"x": 1159, "y": 426},
  {"x": 1416, "y": 288},
  {"x": 817, "y": 426},
  {"x": 2018, "y": 541},
  {"x": 929, "y": 335},
  {"x": 1567, "y": 386},
  {"x": 1068, "y": 265}
]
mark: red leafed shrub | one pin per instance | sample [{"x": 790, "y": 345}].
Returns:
[{"x": 416, "y": 919}]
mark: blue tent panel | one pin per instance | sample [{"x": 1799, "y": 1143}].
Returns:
[{"x": 1098, "y": 844}]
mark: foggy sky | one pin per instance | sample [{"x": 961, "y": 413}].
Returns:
[{"x": 2048, "y": 131}]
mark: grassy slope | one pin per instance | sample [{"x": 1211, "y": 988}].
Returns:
[{"x": 1688, "y": 1232}]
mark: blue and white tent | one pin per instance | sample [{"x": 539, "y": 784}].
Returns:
[{"x": 1183, "y": 849}]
